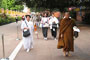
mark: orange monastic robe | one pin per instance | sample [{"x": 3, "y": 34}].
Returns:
[{"x": 66, "y": 29}]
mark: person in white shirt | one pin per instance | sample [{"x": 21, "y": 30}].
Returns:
[
  {"x": 54, "y": 23},
  {"x": 27, "y": 41},
  {"x": 45, "y": 25}
]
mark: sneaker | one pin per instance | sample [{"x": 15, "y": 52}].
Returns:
[
  {"x": 69, "y": 54},
  {"x": 28, "y": 50},
  {"x": 55, "y": 39},
  {"x": 32, "y": 47},
  {"x": 45, "y": 38}
]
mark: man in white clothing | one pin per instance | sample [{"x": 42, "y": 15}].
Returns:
[{"x": 54, "y": 23}]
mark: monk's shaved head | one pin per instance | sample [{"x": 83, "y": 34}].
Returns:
[{"x": 67, "y": 14}]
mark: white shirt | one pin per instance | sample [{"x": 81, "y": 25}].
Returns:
[
  {"x": 53, "y": 19},
  {"x": 28, "y": 41},
  {"x": 45, "y": 21}
]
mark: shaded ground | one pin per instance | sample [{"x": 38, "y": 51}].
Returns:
[
  {"x": 10, "y": 33},
  {"x": 47, "y": 50}
]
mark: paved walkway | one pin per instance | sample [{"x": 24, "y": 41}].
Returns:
[
  {"x": 10, "y": 35},
  {"x": 47, "y": 50}
]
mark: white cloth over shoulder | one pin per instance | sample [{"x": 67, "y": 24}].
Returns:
[
  {"x": 28, "y": 41},
  {"x": 76, "y": 29},
  {"x": 53, "y": 19}
]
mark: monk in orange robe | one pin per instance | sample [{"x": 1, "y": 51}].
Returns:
[{"x": 66, "y": 40}]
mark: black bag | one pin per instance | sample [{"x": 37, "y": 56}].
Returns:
[
  {"x": 75, "y": 34},
  {"x": 54, "y": 25},
  {"x": 27, "y": 32}
]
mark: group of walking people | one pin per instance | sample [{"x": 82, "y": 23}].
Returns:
[
  {"x": 51, "y": 22},
  {"x": 66, "y": 31}
]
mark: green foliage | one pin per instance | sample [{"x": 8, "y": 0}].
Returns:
[
  {"x": 37, "y": 9},
  {"x": 7, "y": 19},
  {"x": 86, "y": 18},
  {"x": 59, "y": 4},
  {"x": 17, "y": 7},
  {"x": 0, "y": 3},
  {"x": 11, "y": 5},
  {"x": 4, "y": 4},
  {"x": 19, "y": 18}
]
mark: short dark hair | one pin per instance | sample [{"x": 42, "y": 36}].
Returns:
[
  {"x": 27, "y": 16},
  {"x": 54, "y": 11},
  {"x": 44, "y": 14}
]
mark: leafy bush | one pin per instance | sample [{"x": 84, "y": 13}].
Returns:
[
  {"x": 86, "y": 18},
  {"x": 7, "y": 19}
]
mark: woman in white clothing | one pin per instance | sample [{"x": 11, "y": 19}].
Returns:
[
  {"x": 45, "y": 25},
  {"x": 27, "y": 41}
]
